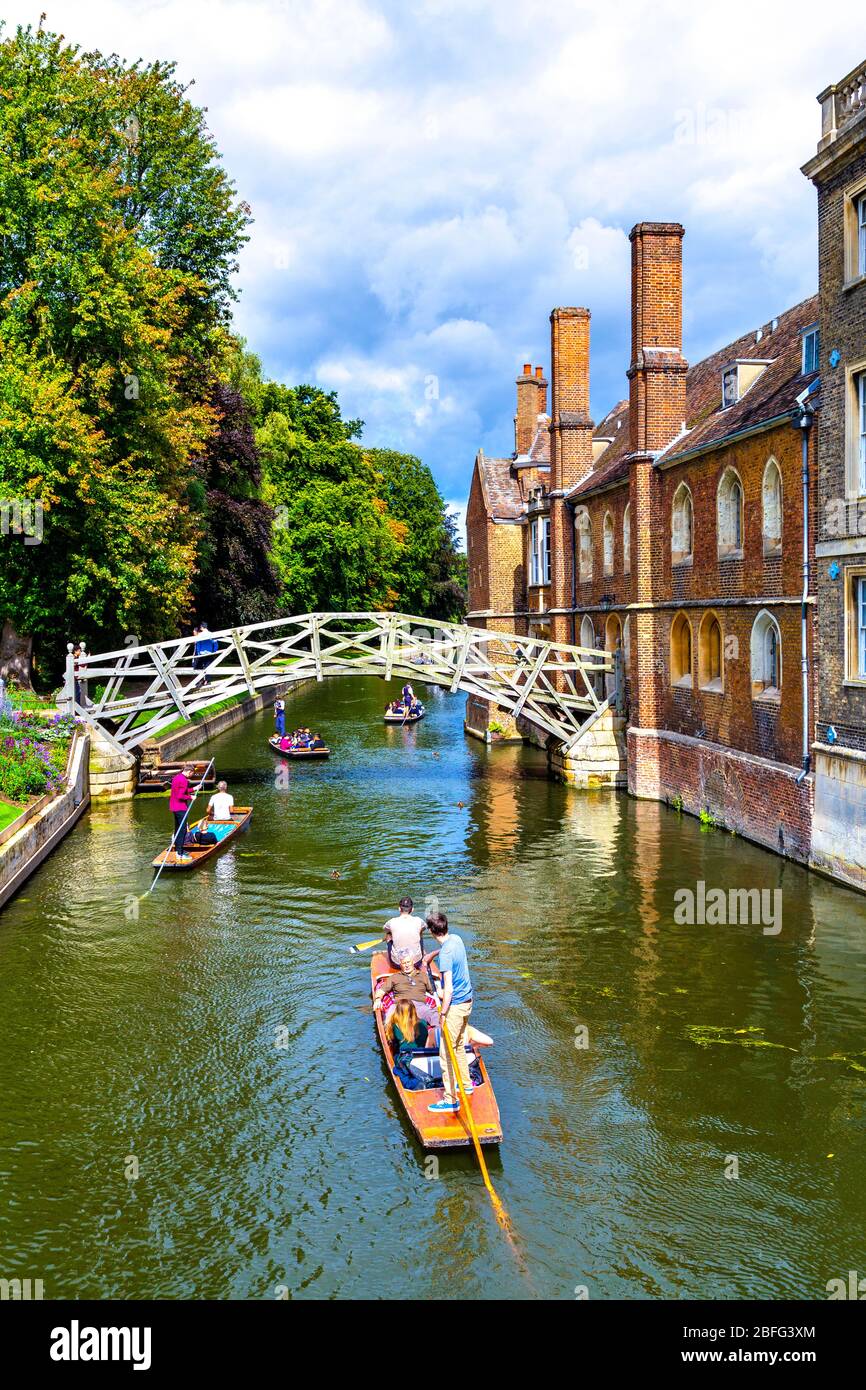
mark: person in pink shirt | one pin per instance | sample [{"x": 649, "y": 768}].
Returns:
[{"x": 179, "y": 804}]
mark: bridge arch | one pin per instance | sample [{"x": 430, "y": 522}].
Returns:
[{"x": 145, "y": 688}]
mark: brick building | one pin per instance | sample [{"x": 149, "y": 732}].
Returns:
[
  {"x": 673, "y": 531},
  {"x": 838, "y": 171}
]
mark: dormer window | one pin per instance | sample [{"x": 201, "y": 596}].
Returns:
[
  {"x": 730, "y": 394},
  {"x": 811, "y": 349},
  {"x": 739, "y": 376}
]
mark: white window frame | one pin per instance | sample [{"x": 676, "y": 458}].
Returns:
[
  {"x": 608, "y": 544},
  {"x": 772, "y": 543},
  {"x": 811, "y": 335},
  {"x": 539, "y": 558},
  {"x": 682, "y": 498},
  {"x": 854, "y": 233},
  {"x": 729, "y": 374},
  {"x": 860, "y": 206},
  {"x": 860, "y": 387},
  {"x": 734, "y": 545},
  {"x": 765, "y": 629},
  {"x": 860, "y": 594}
]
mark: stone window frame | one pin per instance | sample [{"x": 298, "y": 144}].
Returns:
[
  {"x": 607, "y": 535},
  {"x": 765, "y": 630},
  {"x": 712, "y": 684},
  {"x": 854, "y": 235},
  {"x": 730, "y": 549},
  {"x": 626, "y": 539},
  {"x": 772, "y": 544},
  {"x": 681, "y": 672},
  {"x": 682, "y": 493},
  {"x": 855, "y": 428},
  {"x": 583, "y": 526},
  {"x": 855, "y": 626}
]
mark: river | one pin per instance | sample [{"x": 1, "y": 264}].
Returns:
[{"x": 193, "y": 1100}]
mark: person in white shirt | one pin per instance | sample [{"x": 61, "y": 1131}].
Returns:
[
  {"x": 220, "y": 805},
  {"x": 403, "y": 935}
]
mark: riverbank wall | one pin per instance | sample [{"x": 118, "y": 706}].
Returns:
[{"x": 27, "y": 841}]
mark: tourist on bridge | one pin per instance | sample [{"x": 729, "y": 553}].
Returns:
[
  {"x": 179, "y": 803},
  {"x": 403, "y": 935},
  {"x": 205, "y": 647},
  {"x": 280, "y": 717},
  {"x": 455, "y": 1008}
]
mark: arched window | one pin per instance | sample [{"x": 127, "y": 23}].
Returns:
[
  {"x": 766, "y": 655},
  {"x": 612, "y": 643},
  {"x": 710, "y": 674},
  {"x": 584, "y": 545},
  {"x": 681, "y": 650},
  {"x": 771, "y": 498},
  {"x": 607, "y": 539},
  {"x": 682, "y": 518},
  {"x": 626, "y": 642},
  {"x": 588, "y": 639},
  {"x": 730, "y": 513},
  {"x": 626, "y": 540}
]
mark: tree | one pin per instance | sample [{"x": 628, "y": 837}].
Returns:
[
  {"x": 237, "y": 582},
  {"x": 118, "y": 237}
]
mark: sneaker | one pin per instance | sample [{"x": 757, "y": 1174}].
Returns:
[{"x": 444, "y": 1105}]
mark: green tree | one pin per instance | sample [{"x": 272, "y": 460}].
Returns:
[{"x": 119, "y": 234}]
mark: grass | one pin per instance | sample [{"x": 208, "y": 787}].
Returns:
[
  {"x": 8, "y": 813},
  {"x": 206, "y": 713}
]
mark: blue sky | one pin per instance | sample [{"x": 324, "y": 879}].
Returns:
[{"x": 430, "y": 179}]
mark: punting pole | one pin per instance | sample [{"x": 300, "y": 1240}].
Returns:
[
  {"x": 498, "y": 1209},
  {"x": 183, "y": 827}
]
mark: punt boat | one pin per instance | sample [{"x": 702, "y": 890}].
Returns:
[
  {"x": 225, "y": 831},
  {"x": 156, "y": 781},
  {"x": 302, "y": 754},
  {"x": 437, "y": 1130},
  {"x": 391, "y": 717}
]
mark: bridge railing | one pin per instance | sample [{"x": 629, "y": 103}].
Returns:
[{"x": 144, "y": 688}]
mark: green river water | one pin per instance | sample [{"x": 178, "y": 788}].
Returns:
[{"x": 153, "y": 1033}]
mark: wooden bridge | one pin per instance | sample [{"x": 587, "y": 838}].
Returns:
[{"x": 134, "y": 693}]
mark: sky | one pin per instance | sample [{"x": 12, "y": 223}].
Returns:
[{"x": 429, "y": 178}]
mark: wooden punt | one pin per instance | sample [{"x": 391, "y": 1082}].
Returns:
[
  {"x": 225, "y": 831},
  {"x": 302, "y": 754},
  {"x": 391, "y": 718},
  {"x": 156, "y": 781},
  {"x": 438, "y": 1131}
]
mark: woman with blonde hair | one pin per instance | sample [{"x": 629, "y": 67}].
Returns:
[{"x": 406, "y": 1032}]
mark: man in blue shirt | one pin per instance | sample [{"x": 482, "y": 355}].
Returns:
[{"x": 456, "y": 1006}]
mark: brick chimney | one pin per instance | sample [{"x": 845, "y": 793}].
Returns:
[
  {"x": 570, "y": 425},
  {"x": 531, "y": 402},
  {"x": 657, "y": 396}
]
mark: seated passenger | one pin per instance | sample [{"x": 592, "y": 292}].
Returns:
[
  {"x": 317, "y": 741},
  {"x": 406, "y": 1032},
  {"x": 286, "y": 744}
]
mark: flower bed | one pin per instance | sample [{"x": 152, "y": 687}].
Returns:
[{"x": 33, "y": 752}]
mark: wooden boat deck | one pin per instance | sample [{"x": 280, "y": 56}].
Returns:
[
  {"x": 299, "y": 754},
  {"x": 438, "y": 1131},
  {"x": 225, "y": 831}
]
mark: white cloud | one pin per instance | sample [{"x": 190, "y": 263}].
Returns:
[{"x": 430, "y": 179}]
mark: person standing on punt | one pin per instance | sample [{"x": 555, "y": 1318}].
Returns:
[
  {"x": 179, "y": 804},
  {"x": 403, "y": 935},
  {"x": 280, "y": 717},
  {"x": 455, "y": 1008}
]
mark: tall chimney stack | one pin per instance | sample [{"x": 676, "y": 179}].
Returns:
[
  {"x": 570, "y": 425},
  {"x": 531, "y": 402},
  {"x": 657, "y": 375}
]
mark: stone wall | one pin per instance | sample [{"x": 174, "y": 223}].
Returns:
[
  {"x": 598, "y": 759},
  {"x": 839, "y": 823},
  {"x": 30, "y": 839}
]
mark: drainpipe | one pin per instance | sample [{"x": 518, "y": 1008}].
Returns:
[
  {"x": 571, "y": 508},
  {"x": 802, "y": 419}
]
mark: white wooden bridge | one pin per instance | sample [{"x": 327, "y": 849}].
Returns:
[{"x": 134, "y": 693}]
